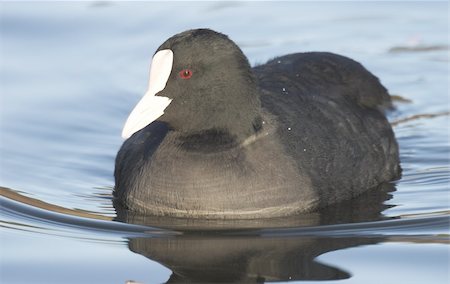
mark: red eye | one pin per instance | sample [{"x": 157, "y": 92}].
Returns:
[{"x": 185, "y": 74}]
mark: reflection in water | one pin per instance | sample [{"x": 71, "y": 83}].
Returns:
[
  {"x": 234, "y": 251},
  {"x": 223, "y": 251},
  {"x": 205, "y": 259}
]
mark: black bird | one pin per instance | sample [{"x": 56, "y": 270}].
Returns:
[{"x": 215, "y": 138}]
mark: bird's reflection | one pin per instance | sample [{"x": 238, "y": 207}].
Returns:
[{"x": 241, "y": 251}]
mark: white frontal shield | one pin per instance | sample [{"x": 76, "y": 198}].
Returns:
[{"x": 150, "y": 107}]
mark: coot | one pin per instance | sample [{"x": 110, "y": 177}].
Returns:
[{"x": 215, "y": 138}]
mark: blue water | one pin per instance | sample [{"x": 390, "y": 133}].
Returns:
[{"x": 70, "y": 73}]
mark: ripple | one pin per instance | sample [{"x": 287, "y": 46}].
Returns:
[
  {"x": 17, "y": 215},
  {"x": 430, "y": 176},
  {"x": 20, "y": 216},
  {"x": 418, "y": 48}
]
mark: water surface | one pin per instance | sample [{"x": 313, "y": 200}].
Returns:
[{"x": 71, "y": 72}]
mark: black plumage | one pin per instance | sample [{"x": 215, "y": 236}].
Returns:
[{"x": 300, "y": 132}]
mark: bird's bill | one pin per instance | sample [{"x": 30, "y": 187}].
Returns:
[{"x": 151, "y": 107}]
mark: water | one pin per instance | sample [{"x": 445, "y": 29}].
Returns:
[{"x": 71, "y": 72}]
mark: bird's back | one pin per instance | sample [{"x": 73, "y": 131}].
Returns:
[{"x": 330, "y": 114}]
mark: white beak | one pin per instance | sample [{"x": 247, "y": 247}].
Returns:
[{"x": 150, "y": 107}]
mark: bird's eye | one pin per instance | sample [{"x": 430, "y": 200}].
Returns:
[{"x": 185, "y": 74}]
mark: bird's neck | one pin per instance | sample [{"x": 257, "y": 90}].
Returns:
[{"x": 222, "y": 122}]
